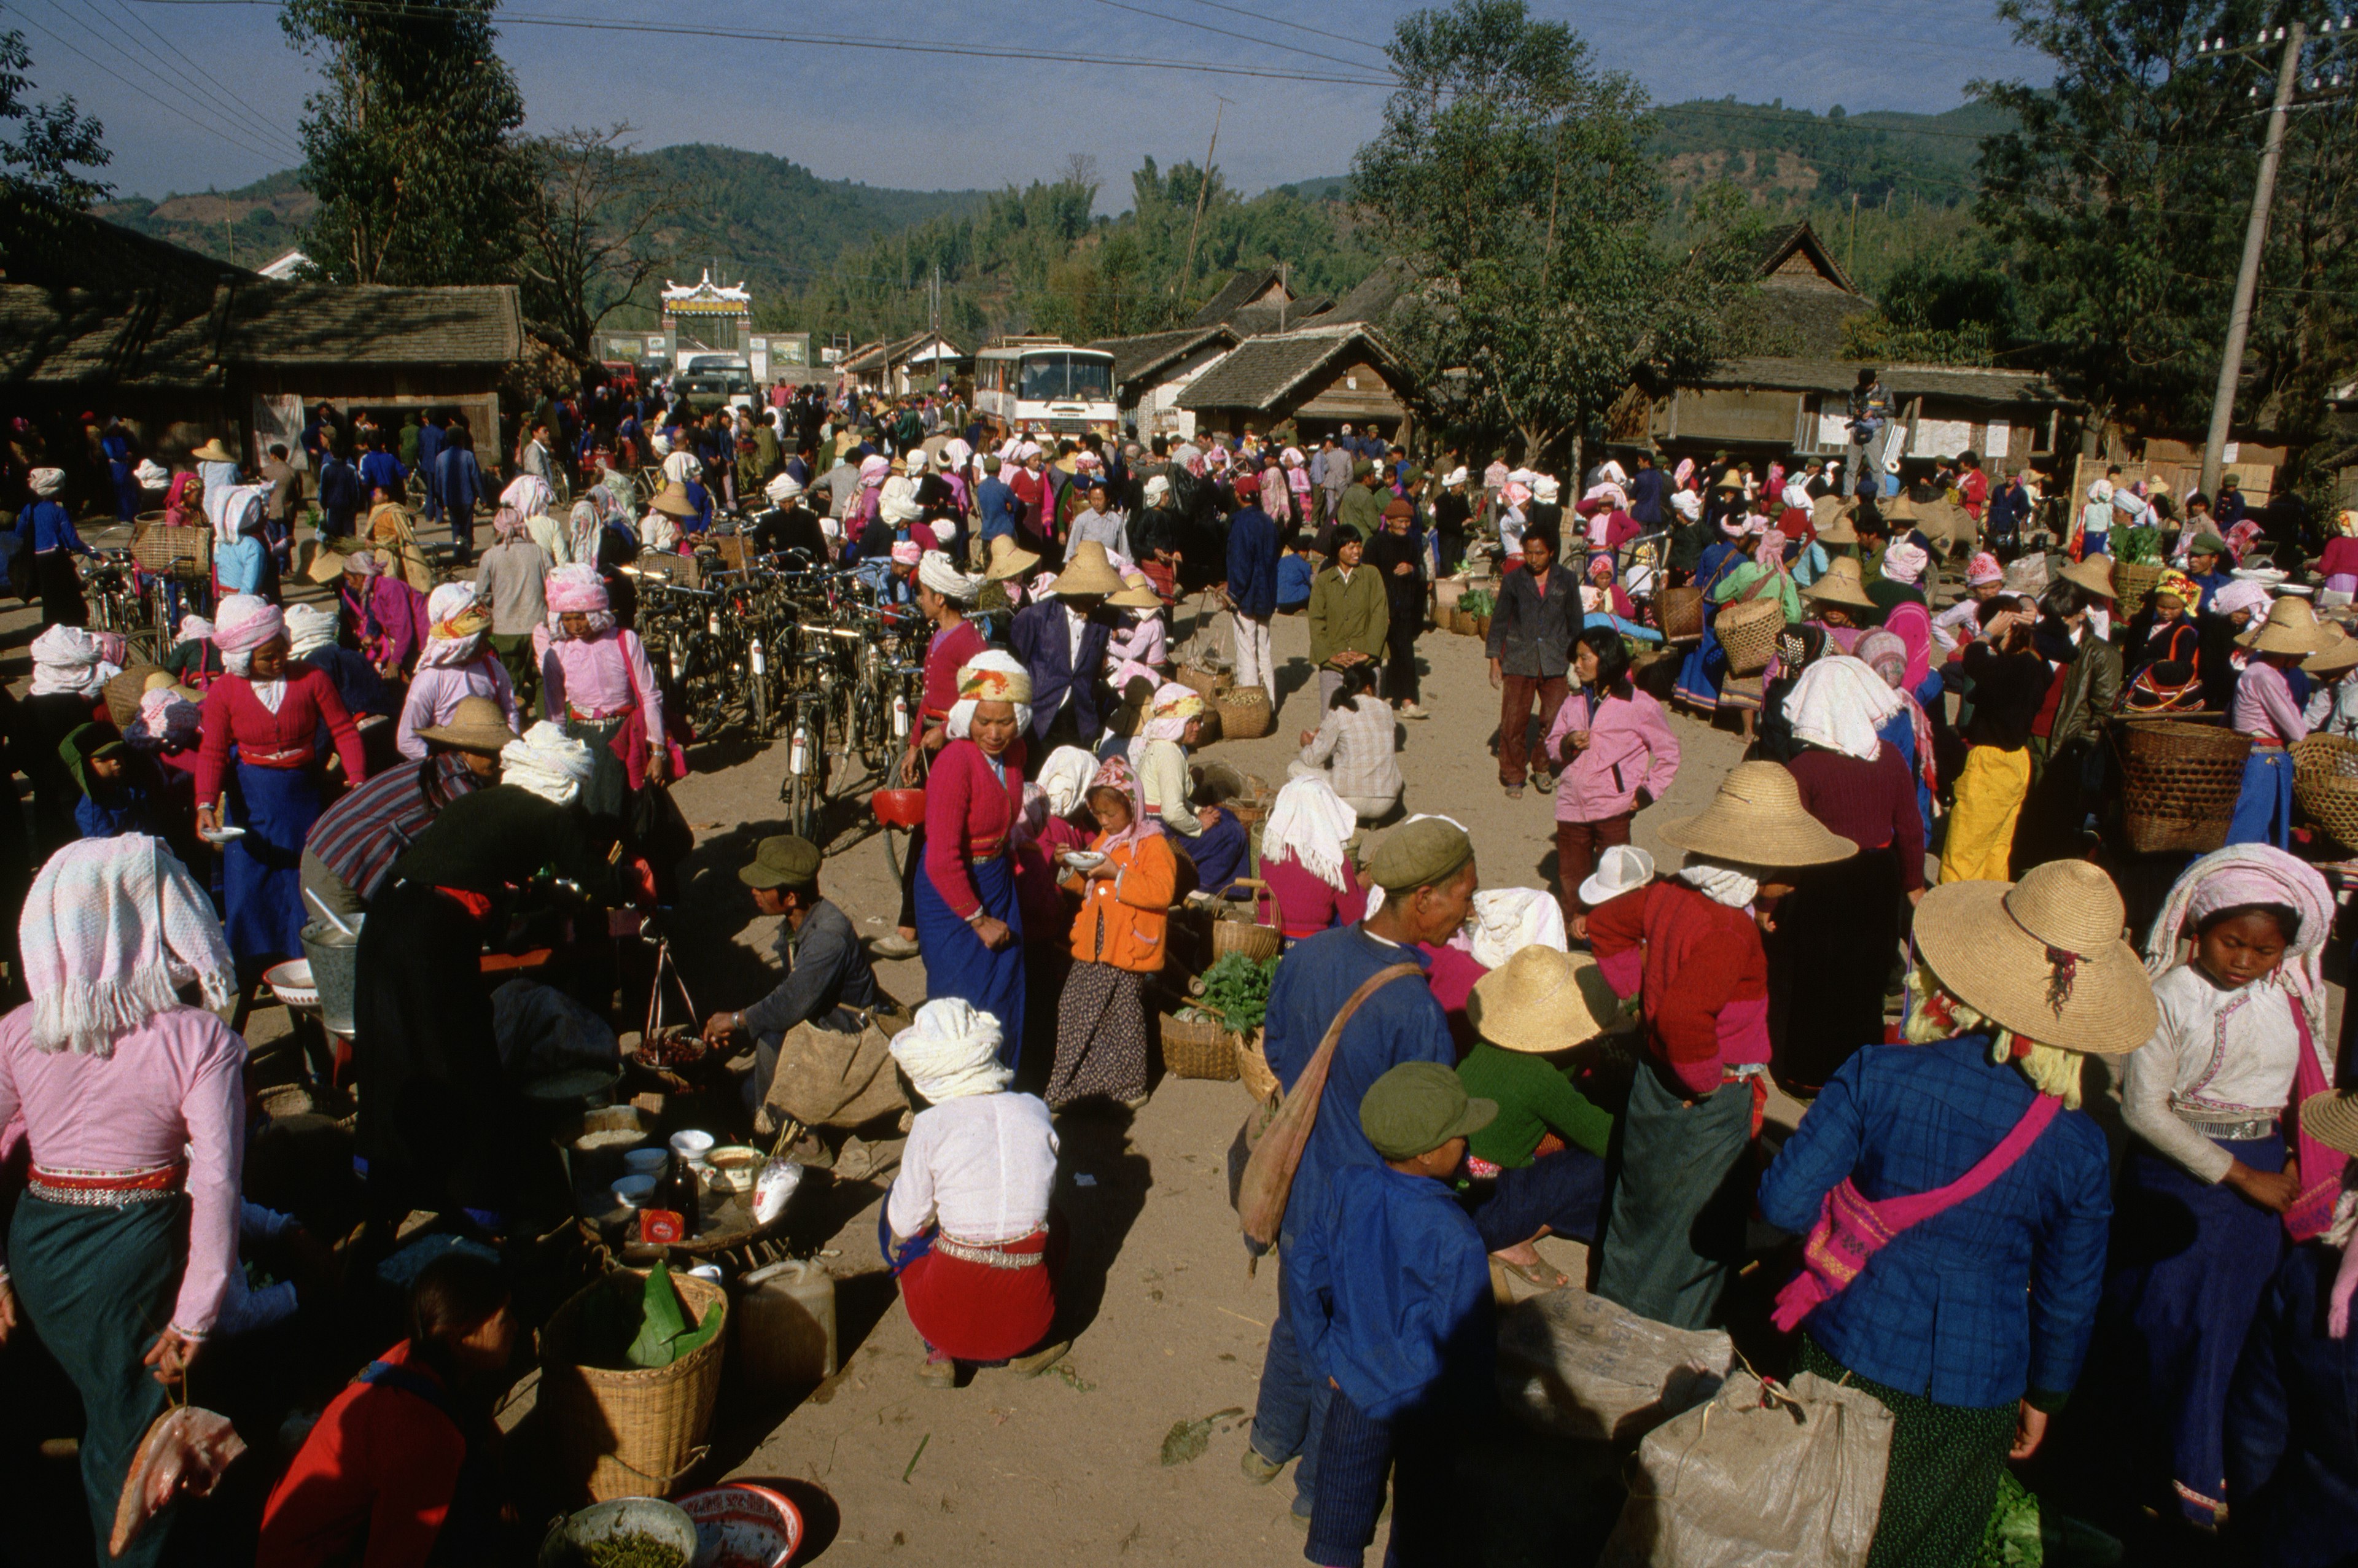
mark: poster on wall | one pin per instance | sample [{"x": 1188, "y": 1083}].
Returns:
[
  {"x": 278, "y": 421},
  {"x": 1941, "y": 438},
  {"x": 1833, "y": 430},
  {"x": 2000, "y": 441}
]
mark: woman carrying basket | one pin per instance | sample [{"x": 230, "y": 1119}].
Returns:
[
  {"x": 2265, "y": 710},
  {"x": 1966, "y": 1142}
]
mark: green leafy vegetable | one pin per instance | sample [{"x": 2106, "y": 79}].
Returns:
[
  {"x": 1477, "y": 601},
  {"x": 2133, "y": 547},
  {"x": 1236, "y": 989}
]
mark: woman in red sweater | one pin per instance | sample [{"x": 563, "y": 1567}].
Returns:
[
  {"x": 1837, "y": 935},
  {"x": 402, "y": 1467},
  {"x": 1690, "y": 946},
  {"x": 969, "y": 923},
  {"x": 267, "y": 710}
]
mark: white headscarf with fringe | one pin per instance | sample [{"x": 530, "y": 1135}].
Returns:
[
  {"x": 951, "y": 1052},
  {"x": 1312, "y": 822},
  {"x": 109, "y": 932}
]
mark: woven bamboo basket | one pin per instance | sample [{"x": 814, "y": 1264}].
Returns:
[
  {"x": 1682, "y": 612},
  {"x": 1252, "y": 1068},
  {"x": 1196, "y": 1048},
  {"x": 634, "y": 1433},
  {"x": 123, "y": 692},
  {"x": 1245, "y": 713},
  {"x": 1255, "y": 941},
  {"x": 2134, "y": 581},
  {"x": 2179, "y": 784},
  {"x": 1748, "y": 629},
  {"x": 1204, "y": 683},
  {"x": 157, "y": 545},
  {"x": 2325, "y": 784}
]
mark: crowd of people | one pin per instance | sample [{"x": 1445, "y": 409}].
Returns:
[{"x": 1900, "y": 910}]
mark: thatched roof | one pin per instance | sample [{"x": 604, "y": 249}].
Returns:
[
  {"x": 1144, "y": 356},
  {"x": 1972, "y": 384},
  {"x": 1260, "y": 373}
]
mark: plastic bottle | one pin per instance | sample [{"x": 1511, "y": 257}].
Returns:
[{"x": 785, "y": 1333}]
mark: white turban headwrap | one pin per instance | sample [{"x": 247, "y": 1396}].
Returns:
[
  {"x": 951, "y": 1052},
  {"x": 935, "y": 570},
  {"x": 1504, "y": 920},
  {"x": 308, "y": 629},
  {"x": 47, "y": 481},
  {"x": 548, "y": 762},
  {"x": 1066, "y": 776},
  {"x": 242, "y": 622}
]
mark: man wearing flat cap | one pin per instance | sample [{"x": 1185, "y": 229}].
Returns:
[
  {"x": 821, "y": 1040},
  {"x": 1425, "y": 867}
]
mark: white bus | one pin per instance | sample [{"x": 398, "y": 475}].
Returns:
[{"x": 1034, "y": 384}]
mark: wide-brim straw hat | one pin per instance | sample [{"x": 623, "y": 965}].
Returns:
[
  {"x": 1838, "y": 531},
  {"x": 1137, "y": 596},
  {"x": 212, "y": 452},
  {"x": 2330, "y": 1116},
  {"x": 2043, "y": 958},
  {"x": 2340, "y": 652},
  {"x": 1009, "y": 559},
  {"x": 673, "y": 500},
  {"x": 1841, "y": 584},
  {"x": 2094, "y": 573},
  {"x": 1542, "y": 999},
  {"x": 1757, "y": 820},
  {"x": 2292, "y": 627},
  {"x": 1731, "y": 479},
  {"x": 477, "y": 724},
  {"x": 1087, "y": 571}
]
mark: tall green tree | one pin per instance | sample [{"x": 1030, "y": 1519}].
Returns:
[
  {"x": 53, "y": 140},
  {"x": 1512, "y": 181},
  {"x": 411, "y": 142},
  {"x": 2121, "y": 202}
]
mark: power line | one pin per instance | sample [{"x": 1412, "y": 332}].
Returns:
[
  {"x": 1315, "y": 32},
  {"x": 212, "y": 108},
  {"x": 886, "y": 46},
  {"x": 241, "y": 112},
  {"x": 1207, "y": 27},
  {"x": 171, "y": 108}
]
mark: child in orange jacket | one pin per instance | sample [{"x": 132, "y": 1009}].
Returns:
[{"x": 1126, "y": 892}]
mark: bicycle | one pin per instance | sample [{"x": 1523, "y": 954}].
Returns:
[{"x": 804, "y": 789}]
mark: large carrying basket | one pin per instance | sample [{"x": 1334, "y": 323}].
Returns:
[
  {"x": 1682, "y": 612},
  {"x": 1245, "y": 713},
  {"x": 2179, "y": 784},
  {"x": 1197, "y": 1048},
  {"x": 1257, "y": 942},
  {"x": 633, "y": 1431},
  {"x": 2135, "y": 582},
  {"x": 2325, "y": 785},
  {"x": 1748, "y": 629},
  {"x": 160, "y": 549}
]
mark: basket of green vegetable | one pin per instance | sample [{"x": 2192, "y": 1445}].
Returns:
[
  {"x": 2136, "y": 566},
  {"x": 630, "y": 1532},
  {"x": 1476, "y": 606},
  {"x": 1200, "y": 1041},
  {"x": 630, "y": 1370}
]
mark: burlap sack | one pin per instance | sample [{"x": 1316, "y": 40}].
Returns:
[
  {"x": 1763, "y": 1477},
  {"x": 1576, "y": 1365},
  {"x": 830, "y": 1077}
]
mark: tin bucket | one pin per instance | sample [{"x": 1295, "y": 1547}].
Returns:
[{"x": 335, "y": 967}]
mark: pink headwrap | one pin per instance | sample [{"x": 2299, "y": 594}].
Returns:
[
  {"x": 907, "y": 553},
  {"x": 872, "y": 470},
  {"x": 1518, "y": 493},
  {"x": 1983, "y": 567},
  {"x": 245, "y": 623},
  {"x": 1912, "y": 624},
  {"x": 2239, "y": 538},
  {"x": 1116, "y": 774},
  {"x": 576, "y": 590},
  {"x": 1684, "y": 472}
]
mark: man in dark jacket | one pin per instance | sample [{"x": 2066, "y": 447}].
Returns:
[
  {"x": 1530, "y": 640},
  {"x": 1648, "y": 489},
  {"x": 1062, "y": 644},
  {"x": 1252, "y": 585}
]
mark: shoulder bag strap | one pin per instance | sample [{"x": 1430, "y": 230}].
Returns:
[
  {"x": 1899, "y": 1212},
  {"x": 1269, "y": 1171}
]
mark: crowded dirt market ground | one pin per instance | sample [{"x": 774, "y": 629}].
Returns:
[{"x": 1081, "y": 1465}]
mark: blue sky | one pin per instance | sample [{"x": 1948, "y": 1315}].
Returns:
[{"x": 208, "y": 95}]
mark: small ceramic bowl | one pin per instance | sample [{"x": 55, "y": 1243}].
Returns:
[
  {"x": 221, "y": 835},
  {"x": 692, "y": 1145},
  {"x": 633, "y": 1191},
  {"x": 1083, "y": 859},
  {"x": 646, "y": 1161},
  {"x": 292, "y": 983}
]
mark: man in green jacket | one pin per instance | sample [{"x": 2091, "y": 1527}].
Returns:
[
  {"x": 1361, "y": 513},
  {"x": 1350, "y": 614}
]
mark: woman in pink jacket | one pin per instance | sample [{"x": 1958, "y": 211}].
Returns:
[{"x": 1613, "y": 744}]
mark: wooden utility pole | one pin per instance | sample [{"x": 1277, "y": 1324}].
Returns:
[
  {"x": 1850, "y": 264},
  {"x": 1203, "y": 189},
  {"x": 2247, "y": 279},
  {"x": 1284, "y": 292}
]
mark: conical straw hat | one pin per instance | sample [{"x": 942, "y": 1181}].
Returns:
[
  {"x": 2291, "y": 628},
  {"x": 2330, "y": 1116},
  {"x": 2094, "y": 573},
  {"x": 1008, "y": 560},
  {"x": 1757, "y": 820},
  {"x": 1542, "y": 999},
  {"x": 2043, "y": 958},
  {"x": 1087, "y": 571},
  {"x": 1841, "y": 584},
  {"x": 2340, "y": 653}
]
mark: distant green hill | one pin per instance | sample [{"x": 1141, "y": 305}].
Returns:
[
  {"x": 1798, "y": 156},
  {"x": 755, "y": 217}
]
